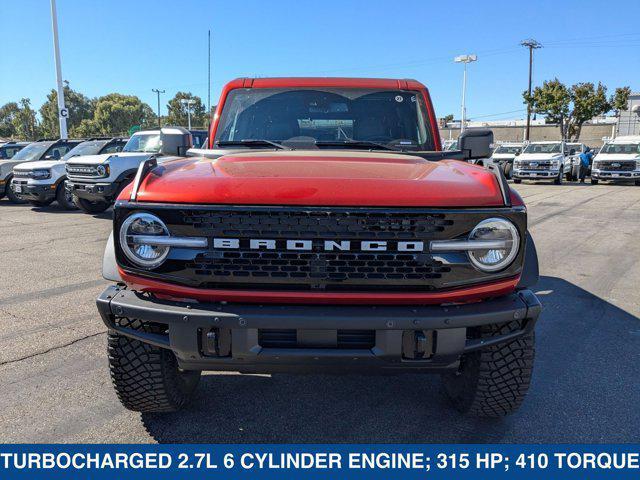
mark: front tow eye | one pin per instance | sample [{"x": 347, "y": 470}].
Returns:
[{"x": 417, "y": 344}]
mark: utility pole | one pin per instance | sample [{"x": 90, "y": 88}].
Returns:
[
  {"x": 464, "y": 59},
  {"x": 188, "y": 102},
  {"x": 531, "y": 44},
  {"x": 155, "y": 90},
  {"x": 63, "y": 113},
  {"x": 209, "y": 79}
]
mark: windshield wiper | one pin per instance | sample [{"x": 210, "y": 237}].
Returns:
[
  {"x": 355, "y": 144},
  {"x": 251, "y": 142}
]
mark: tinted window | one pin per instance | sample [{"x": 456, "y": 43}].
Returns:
[
  {"x": 396, "y": 117},
  {"x": 8, "y": 152},
  {"x": 32, "y": 152},
  {"x": 114, "y": 147},
  {"x": 85, "y": 148}
]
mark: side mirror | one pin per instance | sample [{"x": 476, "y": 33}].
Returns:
[{"x": 475, "y": 143}]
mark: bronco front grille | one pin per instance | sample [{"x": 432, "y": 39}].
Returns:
[{"x": 355, "y": 268}]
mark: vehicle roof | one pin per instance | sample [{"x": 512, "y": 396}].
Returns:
[
  {"x": 9, "y": 143},
  {"x": 545, "y": 141},
  {"x": 350, "y": 82},
  {"x": 511, "y": 144},
  {"x": 626, "y": 139}
]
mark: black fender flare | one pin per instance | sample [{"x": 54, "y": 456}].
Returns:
[{"x": 530, "y": 270}]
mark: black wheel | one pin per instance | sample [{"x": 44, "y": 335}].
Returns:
[
  {"x": 517, "y": 180},
  {"x": 507, "y": 170},
  {"x": 90, "y": 207},
  {"x": 64, "y": 197},
  {"x": 37, "y": 203},
  {"x": 494, "y": 381},
  {"x": 594, "y": 181},
  {"x": 558, "y": 179},
  {"x": 10, "y": 193},
  {"x": 147, "y": 378},
  {"x": 637, "y": 183}
]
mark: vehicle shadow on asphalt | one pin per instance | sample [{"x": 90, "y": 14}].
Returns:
[{"x": 581, "y": 340}]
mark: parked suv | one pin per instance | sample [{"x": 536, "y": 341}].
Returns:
[
  {"x": 544, "y": 161},
  {"x": 324, "y": 230},
  {"x": 503, "y": 156},
  {"x": 618, "y": 161},
  {"x": 43, "y": 181},
  {"x": 45, "y": 149},
  {"x": 96, "y": 180}
]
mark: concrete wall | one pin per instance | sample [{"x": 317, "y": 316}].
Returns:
[{"x": 591, "y": 134}]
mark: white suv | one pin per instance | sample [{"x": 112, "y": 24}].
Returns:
[{"x": 42, "y": 182}]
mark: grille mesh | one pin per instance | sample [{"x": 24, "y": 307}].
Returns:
[
  {"x": 287, "y": 338},
  {"x": 624, "y": 166}
]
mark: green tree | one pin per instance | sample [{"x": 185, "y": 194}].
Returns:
[
  {"x": 80, "y": 108},
  {"x": 571, "y": 107},
  {"x": 178, "y": 111},
  {"x": 18, "y": 120},
  {"x": 114, "y": 114},
  {"x": 8, "y": 113}
]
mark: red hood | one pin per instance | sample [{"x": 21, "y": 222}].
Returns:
[{"x": 321, "y": 178}]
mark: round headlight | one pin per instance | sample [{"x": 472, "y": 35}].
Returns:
[
  {"x": 139, "y": 250},
  {"x": 497, "y": 230},
  {"x": 101, "y": 170}
]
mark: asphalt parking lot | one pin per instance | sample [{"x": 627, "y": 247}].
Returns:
[{"x": 55, "y": 385}]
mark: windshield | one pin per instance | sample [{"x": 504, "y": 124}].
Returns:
[
  {"x": 622, "y": 148},
  {"x": 306, "y": 116},
  {"x": 543, "y": 148},
  {"x": 32, "y": 152},
  {"x": 85, "y": 148},
  {"x": 512, "y": 150},
  {"x": 148, "y": 143}
]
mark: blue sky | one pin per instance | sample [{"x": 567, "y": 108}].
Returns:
[{"x": 136, "y": 45}]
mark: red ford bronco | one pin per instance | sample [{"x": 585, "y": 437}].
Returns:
[{"x": 323, "y": 229}]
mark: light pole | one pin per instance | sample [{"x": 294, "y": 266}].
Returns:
[
  {"x": 531, "y": 44},
  {"x": 63, "y": 113},
  {"x": 464, "y": 59},
  {"x": 155, "y": 90},
  {"x": 188, "y": 102}
]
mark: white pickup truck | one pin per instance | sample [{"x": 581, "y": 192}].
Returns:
[
  {"x": 546, "y": 161},
  {"x": 503, "y": 157},
  {"x": 618, "y": 161},
  {"x": 95, "y": 181}
]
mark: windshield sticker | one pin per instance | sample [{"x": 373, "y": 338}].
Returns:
[{"x": 399, "y": 98}]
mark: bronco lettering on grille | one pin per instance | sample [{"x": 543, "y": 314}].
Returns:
[{"x": 320, "y": 245}]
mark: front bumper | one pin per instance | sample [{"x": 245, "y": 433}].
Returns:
[
  {"x": 535, "y": 174},
  {"x": 620, "y": 176},
  {"x": 40, "y": 192},
  {"x": 94, "y": 192},
  {"x": 191, "y": 330}
]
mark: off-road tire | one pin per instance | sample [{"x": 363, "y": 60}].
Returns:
[
  {"x": 11, "y": 195},
  {"x": 38, "y": 203},
  {"x": 147, "y": 378},
  {"x": 517, "y": 180},
  {"x": 90, "y": 207},
  {"x": 594, "y": 181},
  {"x": 494, "y": 381},
  {"x": 63, "y": 199}
]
